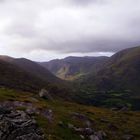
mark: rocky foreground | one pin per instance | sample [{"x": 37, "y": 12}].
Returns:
[
  {"x": 25, "y": 116},
  {"x": 18, "y": 125}
]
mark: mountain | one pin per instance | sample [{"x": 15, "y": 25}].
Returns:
[
  {"x": 115, "y": 84},
  {"x": 13, "y": 76},
  {"x": 25, "y": 74},
  {"x": 72, "y": 68},
  {"x": 32, "y": 67},
  {"x": 103, "y": 81},
  {"x": 120, "y": 72}
]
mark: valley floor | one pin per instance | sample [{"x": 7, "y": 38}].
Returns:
[{"x": 62, "y": 120}]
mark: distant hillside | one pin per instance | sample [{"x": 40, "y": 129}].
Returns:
[
  {"x": 120, "y": 72},
  {"x": 31, "y": 67},
  {"x": 26, "y": 75},
  {"x": 72, "y": 68},
  {"x": 14, "y": 77}
]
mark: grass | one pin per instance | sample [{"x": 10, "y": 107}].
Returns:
[{"x": 124, "y": 121}]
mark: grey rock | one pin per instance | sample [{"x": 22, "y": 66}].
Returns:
[
  {"x": 112, "y": 127},
  {"x": 48, "y": 114},
  {"x": 124, "y": 109},
  {"x": 101, "y": 135},
  {"x": 45, "y": 94},
  {"x": 17, "y": 125},
  {"x": 71, "y": 126},
  {"x": 88, "y": 122},
  {"x": 30, "y": 136},
  {"x": 103, "y": 120},
  {"x": 115, "y": 109},
  {"x": 4, "y": 110},
  {"x": 128, "y": 137},
  {"x": 31, "y": 111},
  {"x": 84, "y": 131},
  {"x": 82, "y": 137},
  {"x": 60, "y": 123},
  {"x": 93, "y": 137}
]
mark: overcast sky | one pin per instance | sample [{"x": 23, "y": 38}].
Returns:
[{"x": 45, "y": 29}]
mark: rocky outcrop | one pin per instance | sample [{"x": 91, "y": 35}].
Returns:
[
  {"x": 29, "y": 108},
  {"x": 17, "y": 125},
  {"x": 87, "y": 131}
]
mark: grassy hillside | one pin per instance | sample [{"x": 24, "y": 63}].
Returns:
[
  {"x": 15, "y": 77},
  {"x": 87, "y": 94},
  {"x": 72, "y": 68},
  {"x": 121, "y": 72},
  {"x": 32, "y": 67},
  {"x": 27, "y": 76},
  {"x": 116, "y": 124},
  {"x": 116, "y": 84}
]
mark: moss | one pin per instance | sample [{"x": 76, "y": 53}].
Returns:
[{"x": 21, "y": 108}]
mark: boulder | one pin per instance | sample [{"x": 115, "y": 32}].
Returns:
[{"x": 45, "y": 94}]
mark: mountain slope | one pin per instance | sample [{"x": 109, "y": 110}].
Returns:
[
  {"x": 13, "y": 76},
  {"x": 32, "y": 68},
  {"x": 72, "y": 68},
  {"x": 120, "y": 72},
  {"x": 27, "y": 75}
]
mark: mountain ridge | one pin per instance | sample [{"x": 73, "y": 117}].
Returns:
[
  {"x": 120, "y": 70},
  {"x": 31, "y": 67},
  {"x": 27, "y": 75},
  {"x": 72, "y": 68}
]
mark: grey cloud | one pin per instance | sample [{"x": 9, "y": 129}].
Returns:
[
  {"x": 81, "y": 2},
  {"x": 72, "y": 26},
  {"x": 90, "y": 45},
  {"x": 87, "y": 2}
]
